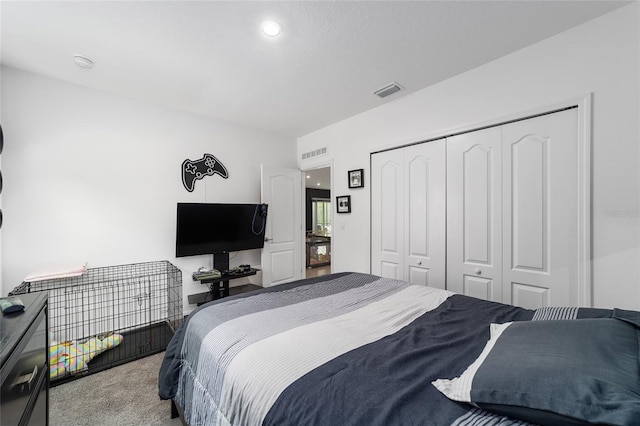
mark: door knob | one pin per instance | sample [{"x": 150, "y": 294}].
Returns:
[
  {"x": 478, "y": 271},
  {"x": 419, "y": 262}
]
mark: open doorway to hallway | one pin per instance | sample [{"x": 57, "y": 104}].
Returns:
[{"x": 318, "y": 214}]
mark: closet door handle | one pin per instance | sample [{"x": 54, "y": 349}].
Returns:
[
  {"x": 419, "y": 262},
  {"x": 478, "y": 271}
]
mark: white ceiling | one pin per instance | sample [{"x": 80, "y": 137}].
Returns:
[
  {"x": 210, "y": 57},
  {"x": 319, "y": 178}
]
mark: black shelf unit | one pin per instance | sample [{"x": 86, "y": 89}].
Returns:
[
  {"x": 219, "y": 287},
  {"x": 202, "y": 298}
]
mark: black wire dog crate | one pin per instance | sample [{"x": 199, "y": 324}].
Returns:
[{"x": 109, "y": 316}]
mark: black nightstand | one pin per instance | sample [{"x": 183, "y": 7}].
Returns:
[{"x": 24, "y": 363}]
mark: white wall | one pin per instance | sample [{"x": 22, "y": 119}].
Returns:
[
  {"x": 599, "y": 57},
  {"x": 1, "y": 293},
  {"x": 95, "y": 177}
]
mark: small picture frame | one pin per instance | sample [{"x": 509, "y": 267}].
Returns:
[
  {"x": 356, "y": 178},
  {"x": 343, "y": 204}
]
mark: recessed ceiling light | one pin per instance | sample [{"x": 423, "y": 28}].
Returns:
[
  {"x": 271, "y": 28},
  {"x": 308, "y": 177},
  {"x": 318, "y": 183},
  {"x": 83, "y": 61}
]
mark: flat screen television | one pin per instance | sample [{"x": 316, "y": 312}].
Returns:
[{"x": 208, "y": 228}]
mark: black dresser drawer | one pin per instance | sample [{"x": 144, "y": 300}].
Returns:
[
  {"x": 40, "y": 410},
  {"x": 25, "y": 369}
]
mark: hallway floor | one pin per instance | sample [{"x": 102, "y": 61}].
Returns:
[{"x": 319, "y": 271}]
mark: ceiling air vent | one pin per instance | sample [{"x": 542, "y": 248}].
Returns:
[
  {"x": 314, "y": 153},
  {"x": 387, "y": 90}
]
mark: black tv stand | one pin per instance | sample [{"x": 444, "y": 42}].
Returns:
[
  {"x": 221, "y": 261},
  {"x": 219, "y": 287}
]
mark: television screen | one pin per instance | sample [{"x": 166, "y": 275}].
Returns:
[{"x": 219, "y": 228}]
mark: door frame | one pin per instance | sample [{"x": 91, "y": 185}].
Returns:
[{"x": 328, "y": 163}]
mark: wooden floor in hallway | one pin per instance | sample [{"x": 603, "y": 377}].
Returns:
[{"x": 318, "y": 271}]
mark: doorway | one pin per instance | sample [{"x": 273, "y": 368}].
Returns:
[{"x": 318, "y": 221}]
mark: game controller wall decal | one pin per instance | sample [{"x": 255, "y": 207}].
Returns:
[{"x": 193, "y": 170}]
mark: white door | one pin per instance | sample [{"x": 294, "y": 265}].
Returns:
[
  {"x": 512, "y": 212},
  {"x": 540, "y": 211},
  {"x": 425, "y": 214},
  {"x": 474, "y": 214},
  {"x": 408, "y": 214},
  {"x": 281, "y": 189},
  {"x": 387, "y": 219}
]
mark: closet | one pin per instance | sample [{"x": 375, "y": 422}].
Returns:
[
  {"x": 492, "y": 213},
  {"x": 408, "y": 214}
]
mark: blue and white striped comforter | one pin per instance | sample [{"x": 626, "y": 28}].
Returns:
[{"x": 347, "y": 349}]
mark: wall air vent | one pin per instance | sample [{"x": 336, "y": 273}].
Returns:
[
  {"x": 314, "y": 153},
  {"x": 387, "y": 90}
]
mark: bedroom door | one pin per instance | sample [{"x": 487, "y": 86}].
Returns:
[
  {"x": 281, "y": 189},
  {"x": 408, "y": 214}
]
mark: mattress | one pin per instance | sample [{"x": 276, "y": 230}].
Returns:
[{"x": 344, "y": 349}]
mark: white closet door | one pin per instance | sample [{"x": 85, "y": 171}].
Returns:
[
  {"x": 474, "y": 214},
  {"x": 540, "y": 207},
  {"x": 425, "y": 214},
  {"x": 387, "y": 221}
]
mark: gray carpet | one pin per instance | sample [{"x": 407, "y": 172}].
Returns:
[{"x": 123, "y": 395}]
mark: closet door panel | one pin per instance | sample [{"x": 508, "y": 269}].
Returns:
[
  {"x": 421, "y": 275},
  {"x": 530, "y": 296},
  {"x": 540, "y": 241},
  {"x": 425, "y": 216},
  {"x": 387, "y": 220},
  {"x": 482, "y": 288},
  {"x": 476, "y": 204},
  {"x": 474, "y": 211},
  {"x": 529, "y": 181}
]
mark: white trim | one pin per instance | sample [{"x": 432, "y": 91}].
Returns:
[
  {"x": 327, "y": 162},
  {"x": 585, "y": 256}
]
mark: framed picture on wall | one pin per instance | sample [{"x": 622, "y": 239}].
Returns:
[
  {"x": 356, "y": 178},
  {"x": 343, "y": 204}
]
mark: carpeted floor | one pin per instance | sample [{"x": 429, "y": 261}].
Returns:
[{"x": 123, "y": 395}]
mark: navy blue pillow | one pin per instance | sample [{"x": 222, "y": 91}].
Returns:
[{"x": 565, "y": 372}]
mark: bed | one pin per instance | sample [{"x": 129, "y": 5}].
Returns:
[{"x": 357, "y": 349}]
